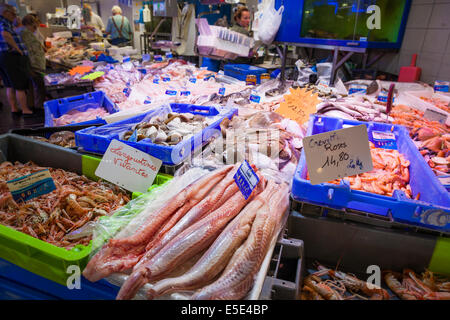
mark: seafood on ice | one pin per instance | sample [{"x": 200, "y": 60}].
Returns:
[
  {"x": 431, "y": 137},
  {"x": 441, "y": 104},
  {"x": 210, "y": 226},
  {"x": 50, "y": 217},
  {"x": 68, "y": 53},
  {"x": 76, "y": 116},
  {"x": 356, "y": 107},
  {"x": 266, "y": 139}
]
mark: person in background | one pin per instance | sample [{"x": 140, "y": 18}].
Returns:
[
  {"x": 17, "y": 23},
  {"x": 242, "y": 19},
  {"x": 95, "y": 22},
  {"x": 38, "y": 33},
  {"x": 118, "y": 27},
  {"x": 14, "y": 63},
  {"x": 36, "y": 54}
]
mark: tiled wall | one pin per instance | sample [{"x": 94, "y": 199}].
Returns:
[{"x": 428, "y": 35}]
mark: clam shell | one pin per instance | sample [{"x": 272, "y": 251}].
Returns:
[{"x": 440, "y": 160}]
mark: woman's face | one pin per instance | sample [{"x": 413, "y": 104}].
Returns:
[{"x": 245, "y": 19}]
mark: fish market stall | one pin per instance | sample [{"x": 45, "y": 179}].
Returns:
[{"x": 159, "y": 176}]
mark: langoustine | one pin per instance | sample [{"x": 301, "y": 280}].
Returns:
[
  {"x": 352, "y": 283},
  {"x": 215, "y": 259},
  {"x": 122, "y": 254},
  {"x": 412, "y": 287},
  {"x": 187, "y": 244},
  {"x": 238, "y": 277},
  {"x": 50, "y": 217}
]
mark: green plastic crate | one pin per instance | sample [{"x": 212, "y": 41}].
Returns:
[
  {"x": 32, "y": 254},
  {"x": 160, "y": 179}
]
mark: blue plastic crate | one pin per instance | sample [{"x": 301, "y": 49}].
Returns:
[
  {"x": 241, "y": 71},
  {"x": 433, "y": 195},
  {"x": 19, "y": 284},
  {"x": 97, "y": 99},
  {"x": 211, "y": 64},
  {"x": 97, "y": 140}
]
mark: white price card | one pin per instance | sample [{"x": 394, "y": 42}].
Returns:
[
  {"x": 435, "y": 116},
  {"x": 128, "y": 167},
  {"x": 337, "y": 154}
]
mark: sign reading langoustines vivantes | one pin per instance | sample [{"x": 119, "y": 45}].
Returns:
[{"x": 128, "y": 167}]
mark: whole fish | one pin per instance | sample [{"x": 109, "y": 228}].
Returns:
[
  {"x": 187, "y": 244},
  {"x": 214, "y": 200},
  {"x": 215, "y": 259},
  {"x": 238, "y": 277},
  {"x": 121, "y": 254}
]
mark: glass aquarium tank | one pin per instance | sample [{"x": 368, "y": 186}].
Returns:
[{"x": 358, "y": 23}]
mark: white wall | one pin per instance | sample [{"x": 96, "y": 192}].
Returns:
[
  {"x": 428, "y": 35},
  {"x": 105, "y": 9}
]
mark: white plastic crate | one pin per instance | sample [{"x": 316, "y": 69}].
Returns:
[{"x": 219, "y": 41}]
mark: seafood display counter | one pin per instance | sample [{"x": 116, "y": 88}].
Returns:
[
  {"x": 33, "y": 237},
  {"x": 232, "y": 212}
]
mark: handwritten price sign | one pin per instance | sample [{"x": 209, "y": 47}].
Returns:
[
  {"x": 128, "y": 167},
  {"x": 337, "y": 154},
  {"x": 298, "y": 105},
  {"x": 31, "y": 186}
]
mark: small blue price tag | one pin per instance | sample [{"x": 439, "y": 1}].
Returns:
[
  {"x": 246, "y": 179},
  {"x": 209, "y": 76},
  {"x": 143, "y": 71},
  {"x": 158, "y": 58},
  {"x": 156, "y": 80},
  {"x": 145, "y": 57},
  {"x": 185, "y": 93},
  {"x": 193, "y": 80},
  {"x": 31, "y": 186},
  {"x": 148, "y": 100},
  {"x": 127, "y": 91},
  {"x": 383, "y": 97},
  {"x": 222, "y": 91},
  {"x": 126, "y": 59},
  {"x": 169, "y": 55},
  {"x": 441, "y": 87},
  {"x": 353, "y": 90},
  {"x": 171, "y": 92},
  {"x": 165, "y": 79},
  {"x": 255, "y": 98},
  {"x": 384, "y": 140},
  {"x": 133, "y": 137}
]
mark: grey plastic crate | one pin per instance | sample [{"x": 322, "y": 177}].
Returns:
[
  {"x": 367, "y": 218},
  {"x": 14, "y": 147},
  {"x": 356, "y": 246},
  {"x": 284, "y": 277},
  {"x": 352, "y": 246}
]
